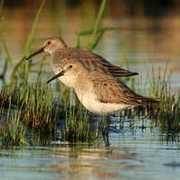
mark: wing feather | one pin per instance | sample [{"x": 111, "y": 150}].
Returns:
[
  {"x": 110, "y": 90},
  {"x": 116, "y": 70},
  {"x": 93, "y": 62}
]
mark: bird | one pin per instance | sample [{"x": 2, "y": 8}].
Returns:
[{"x": 94, "y": 79}]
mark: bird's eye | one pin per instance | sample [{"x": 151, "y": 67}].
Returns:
[
  {"x": 70, "y": 66},
  {"x": 49, "y": 42}
]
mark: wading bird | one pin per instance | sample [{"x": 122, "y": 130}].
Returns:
[{"x": 94, "y": 79}]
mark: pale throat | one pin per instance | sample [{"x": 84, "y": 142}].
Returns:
[
  {"x": 69, "y": 79},
  {"x": 51, "y": 50}
]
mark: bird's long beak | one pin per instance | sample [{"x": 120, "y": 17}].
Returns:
[
  {"x": 55, "y": 76},
  {"x": 35, "y": 53}
]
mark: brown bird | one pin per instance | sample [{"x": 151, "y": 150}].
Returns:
[{"x": 94, "y": 79}]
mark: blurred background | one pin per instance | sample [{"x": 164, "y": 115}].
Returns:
[{"x": 147, "y": 36}]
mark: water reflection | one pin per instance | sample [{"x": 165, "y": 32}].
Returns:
[
  {"x": 95, "y": 162},
  {"x": 133, "y": 155}
]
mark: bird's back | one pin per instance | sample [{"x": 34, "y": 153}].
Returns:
[{"x": 90, "y": 61}]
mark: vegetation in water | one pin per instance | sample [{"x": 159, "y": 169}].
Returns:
[{"x": 36, "y": 113}]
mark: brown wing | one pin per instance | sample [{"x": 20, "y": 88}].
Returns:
[
  {"x": 110, "y": 90},
  {"x": 115, "y": 70},
  {"x": 93, "y": 62}
]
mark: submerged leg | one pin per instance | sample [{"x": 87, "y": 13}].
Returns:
[
  {"x": 105, "y": 134},
  {"x": 105, "y": 130}
]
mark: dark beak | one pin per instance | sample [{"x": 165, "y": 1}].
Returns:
[
  {"x": 35, "y": 53},
  {"x": 56, "y": 76}
]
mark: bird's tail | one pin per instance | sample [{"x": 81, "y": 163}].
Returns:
[
  {"x": 150, "y": 104},
  {"x": 149, "y": 101}
]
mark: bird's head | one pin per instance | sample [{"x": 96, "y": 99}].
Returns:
[{"x": 49, "y": 47}]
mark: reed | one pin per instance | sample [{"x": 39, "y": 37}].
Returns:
[
  {"x": 22, "y": 69},
  {"x": 168, "y": 117},
  {"x": 30, "y": 107}
]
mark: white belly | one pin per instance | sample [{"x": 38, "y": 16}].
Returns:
[
  {"x": 86, "y": 95},
  {"x": 90, "y": 102}
]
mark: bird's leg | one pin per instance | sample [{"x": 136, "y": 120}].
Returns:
[{"x": 105, "y": 130}]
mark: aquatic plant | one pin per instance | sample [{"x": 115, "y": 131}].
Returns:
[
  {"x": 168, "y": 117},
  {"x": 34, "y": 109},
  {"x": 21, "y": 70},
  {"x": 13, "y": 131},
  {"x": 35, "y": 112}
]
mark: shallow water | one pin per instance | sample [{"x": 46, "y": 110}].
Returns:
[{"x": 136, "y": 155}]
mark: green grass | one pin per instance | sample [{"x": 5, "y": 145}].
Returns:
[
  {"x": 22, "y": 69},
  {"x": 168, "y": 118},
  {"x": 13, "y": 132},
  {"x": 33, "y": 108}
]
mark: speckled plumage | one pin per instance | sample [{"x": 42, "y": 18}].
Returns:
[
  {"x": 94, "y": 79},
  {"x": 90, "y": 61}
]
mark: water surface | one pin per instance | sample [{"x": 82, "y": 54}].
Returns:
[{"x": 136, "y": 155}]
